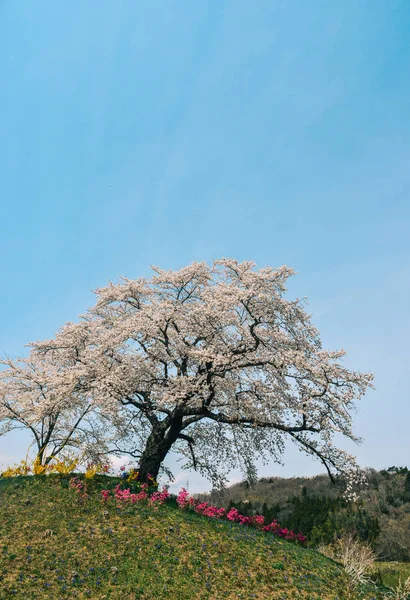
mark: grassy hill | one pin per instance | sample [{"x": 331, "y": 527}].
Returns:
[{"x": 55, "y": 545}]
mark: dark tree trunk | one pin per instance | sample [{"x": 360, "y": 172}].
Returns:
[{"x": 158, "y": 445}]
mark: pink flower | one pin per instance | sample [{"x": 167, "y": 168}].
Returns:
[
  {"x": 160, "y": 497},
  {"x": 233, "y": 515},
  {"x": 258, "y": 520},
  {"x": 105, "y": 494},
  {"x": 201, "y": 507},
  {"x": 182, "y": 499}
]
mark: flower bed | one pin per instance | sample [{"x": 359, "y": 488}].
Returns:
[{"x": 184, "y": 501}]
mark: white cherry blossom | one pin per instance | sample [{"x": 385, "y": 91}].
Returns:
[{"x": 212, "y": 362}]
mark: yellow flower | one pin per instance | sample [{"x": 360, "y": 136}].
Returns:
[
  {"x": 66, "y": 466},
  {"x": 38, "y": 468},
  {"x": 133, "y": 475},
  {"x": 91, "y": 471}
]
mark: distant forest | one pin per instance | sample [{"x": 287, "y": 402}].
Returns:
[{"x": 316, "y": 507}]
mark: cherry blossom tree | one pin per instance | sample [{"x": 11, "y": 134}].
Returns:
[
  {"x": 35, "y": 397},
  {"x": 214, "y": 363}
]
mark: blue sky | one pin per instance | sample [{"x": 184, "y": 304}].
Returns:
[{"x": 138, "y": 133}]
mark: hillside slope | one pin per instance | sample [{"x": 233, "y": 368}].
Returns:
[{"x": 55, "y": 545}]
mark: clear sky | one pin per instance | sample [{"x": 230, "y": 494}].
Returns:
[{"x": 138, "y": 133}]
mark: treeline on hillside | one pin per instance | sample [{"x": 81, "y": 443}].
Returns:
[{"x": 381, "y": 516}]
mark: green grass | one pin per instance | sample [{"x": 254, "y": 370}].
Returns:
[
  {"x": 390, "y": 573},
  {"x": 53, "y": 545}
]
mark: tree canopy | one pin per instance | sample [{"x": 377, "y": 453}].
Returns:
[{"x": 211, "y": 361}]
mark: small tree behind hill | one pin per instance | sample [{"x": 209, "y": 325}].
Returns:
[{"x": 57, "y": 413}]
